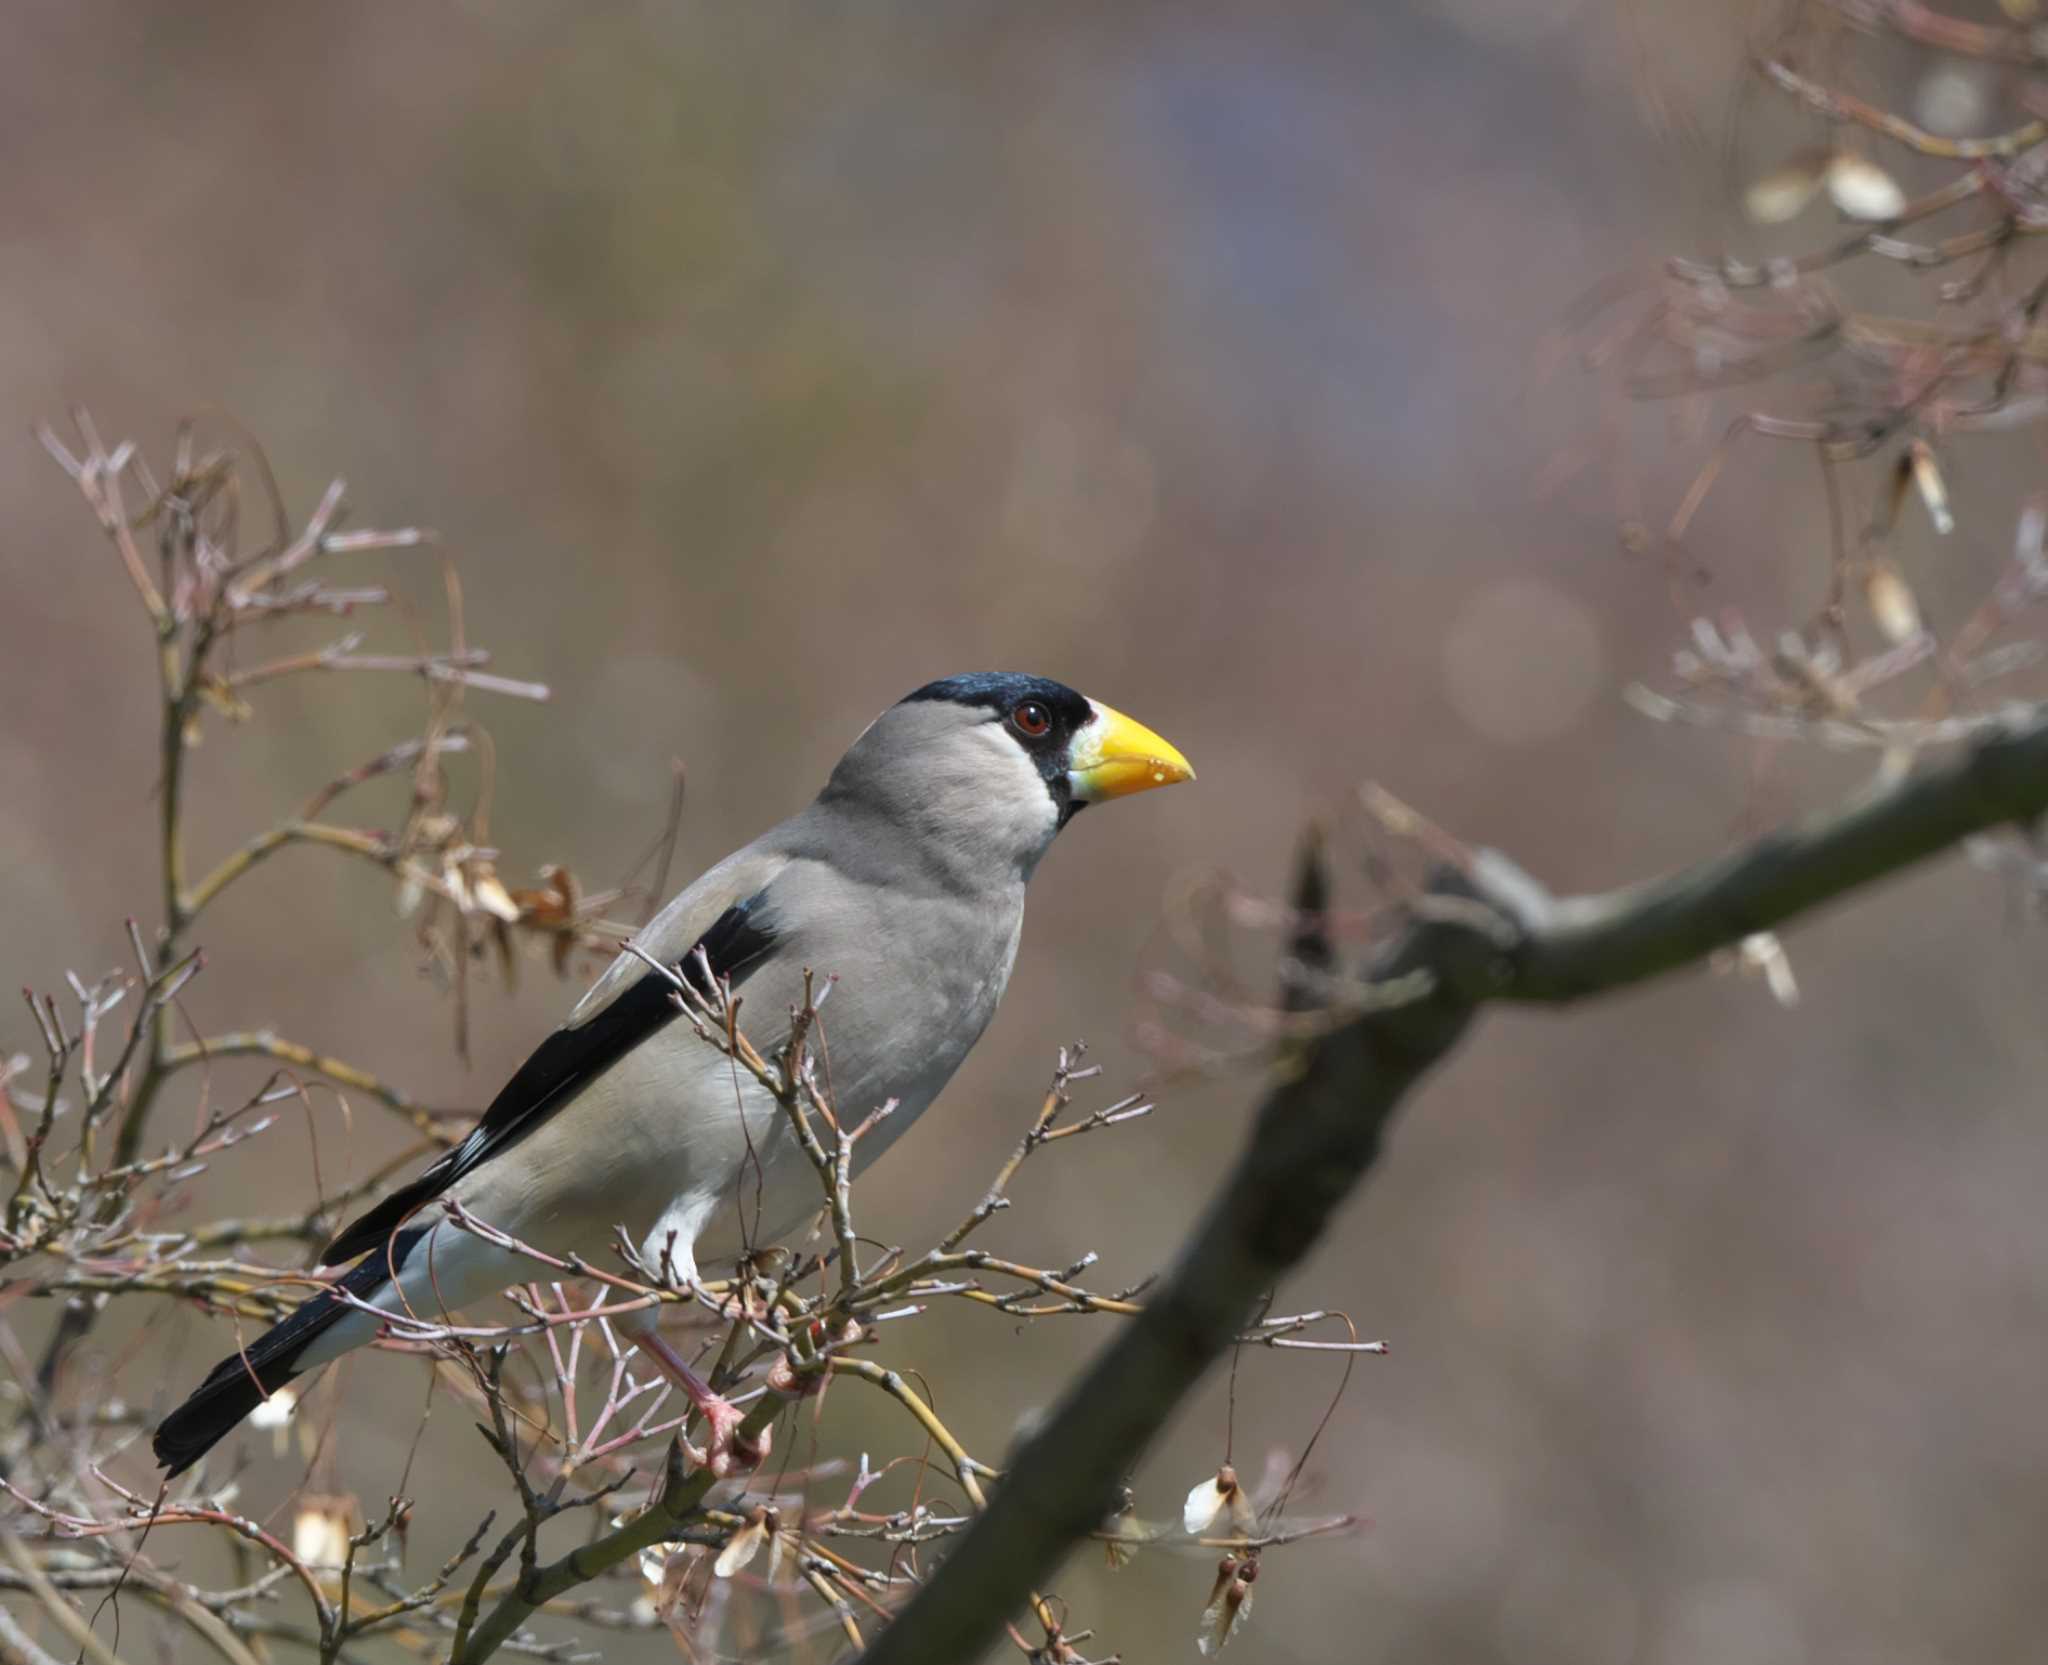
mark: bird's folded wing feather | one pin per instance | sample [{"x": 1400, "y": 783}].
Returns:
[{"x": 621, "y": 1010}]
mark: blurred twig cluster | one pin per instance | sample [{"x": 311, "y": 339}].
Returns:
[
  {"x": 1883, "y": 348},
  {"x": 808, "y": 1556}
]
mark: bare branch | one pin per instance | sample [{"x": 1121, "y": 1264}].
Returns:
[
  {"x": 1318, "y": 1133},
  {"x": 262, "y": 1043}
]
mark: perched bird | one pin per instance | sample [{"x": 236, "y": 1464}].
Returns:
[{"x": 904, "y": 880}]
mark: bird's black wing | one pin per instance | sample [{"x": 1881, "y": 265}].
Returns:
[
  {"x": 567, "y": 1062},
  {"x": 251, "y": 1374}
]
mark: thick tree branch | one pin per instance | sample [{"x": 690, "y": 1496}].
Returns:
[
  {"x": 1318, "y": 1132},
  {"x": 1589, "y": 945}
]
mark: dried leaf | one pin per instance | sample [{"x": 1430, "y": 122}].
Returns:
[
  {"x": 1891, "y": 602},
  {"x": 741, "y": 1548},
  {"x": 1783, "y": 193},
  {"x": 1933, "y": 489},
  {"x": 1226, "y": 1571},
  {"x": 567, "y": 892},
  {"x": 1208, "y": 1500},
  {"x": 553, "y": 909},
  {"x": 1230, "y": 1602},
  {"x": 1764, "y": 955},
  {"x": 1862, "y": 190},
  {"x": 490, "y": 894},
  {"x": 320, "y": 1531}
]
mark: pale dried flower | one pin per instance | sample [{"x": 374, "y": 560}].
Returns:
[
  {"x": 1892, "y": 603},
  {"x": 320, "y": 1532},
  {"x": 1862, "y": 190},
  {"x": 1219, "y": 1494},
  {"x": 1784, "y": 192},
  {"x": 1933, "y": 489}
]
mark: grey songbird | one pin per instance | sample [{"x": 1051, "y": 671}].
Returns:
[{"x": 904, "y": 880}]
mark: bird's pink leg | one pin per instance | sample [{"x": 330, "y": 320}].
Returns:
[{"x": 724, "y": 1451}]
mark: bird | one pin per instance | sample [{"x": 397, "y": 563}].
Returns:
[{"x": 903, "y": 881}]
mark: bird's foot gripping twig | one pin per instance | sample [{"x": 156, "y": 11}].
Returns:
[{"x": 724, "y": 1452}]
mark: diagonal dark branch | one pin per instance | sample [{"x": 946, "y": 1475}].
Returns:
[
  {"x": 1318, "y": 1131},
  {"x": 1590, "y": 945}
]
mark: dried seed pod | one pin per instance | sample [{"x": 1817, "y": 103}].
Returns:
[
  {"x": 1892, "y": 603},
  {"x": 490, "y": 894},
  {"x": 1933, "y": 489},
  {"x": 1762, "y": 955},
  {"x": 320, "y": 1531},
  {"x": 745, "y": 1544},
  {"x": 1208, "y": 1500},
  {"x": 1230, "y": 1602},
  {"x": 1862, "y": 190},
  {"x": 1783, "y": 193}
]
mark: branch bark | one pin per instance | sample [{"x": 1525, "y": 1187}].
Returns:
[
  {"x": 1318, "y": 1132},
  {"x": 263, "y": 1043},
  {"x": 682, "y": 1494}
]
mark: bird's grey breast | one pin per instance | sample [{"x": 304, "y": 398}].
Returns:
[
  {"x": 905, "y": 985},
  {"x": 914, "y": 980}
]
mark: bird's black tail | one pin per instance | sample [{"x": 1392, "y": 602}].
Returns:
[{"x": 243, "y": 1380}]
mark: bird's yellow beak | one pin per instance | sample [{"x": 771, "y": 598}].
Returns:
[{"x": 1112, "y": 757}]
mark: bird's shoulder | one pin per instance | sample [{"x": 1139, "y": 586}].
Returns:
[{"x": 743, "y": 876}]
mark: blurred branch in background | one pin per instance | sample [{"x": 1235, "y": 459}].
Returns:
[
  {"x": 1881, "y": 396},
  {"x": 208, "y": 589},
  {"x": 1485, "y": 933},
  {"x": 1879, "y": 400}
]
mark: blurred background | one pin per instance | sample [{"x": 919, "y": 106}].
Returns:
[{"x": 757, "y": 364}]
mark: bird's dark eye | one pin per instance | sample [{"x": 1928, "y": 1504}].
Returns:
[{"x": 1031, "y": 719}]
